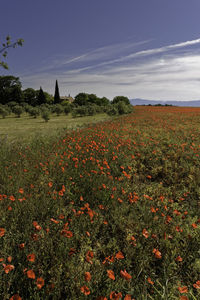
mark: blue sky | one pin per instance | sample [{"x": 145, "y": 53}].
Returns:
[{"x": 146, "y": 49}]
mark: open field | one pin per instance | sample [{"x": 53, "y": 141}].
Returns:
[
  {"x": 26, "y": 127},
  {"x": 108, "y": 211}
]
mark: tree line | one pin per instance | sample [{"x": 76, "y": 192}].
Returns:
[{"x": 11, "y": 95}]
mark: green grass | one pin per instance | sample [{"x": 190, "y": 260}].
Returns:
[
  {"x": 25, "y": 128},
  {"x": 108, "y": 211}
]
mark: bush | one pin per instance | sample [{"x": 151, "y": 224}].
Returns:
[
  {"x": 118, "y": 99},
  {"x": 91, "y": 110},
  {"x": 12, "y": 104},
  {"x": 27, "y": 107},
  {"x": 65, "y": 103},
  {"x": 45, "y": 115},
  {"x": 80, "y": 111},
  {"x": 123, "y": 108},
  {"x": 67, "y": 109},
  {"x": 17, "y": 110},
  {"x": 3, "y": 112},
  {"x": 112, "y": 110},
  {"x": 34, "y": 112},
  {"x": 58, "y": 109}
]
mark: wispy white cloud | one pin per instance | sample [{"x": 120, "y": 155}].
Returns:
[
  {"x": 168, "y": 72},
  {"x": 143, "y": 53}
]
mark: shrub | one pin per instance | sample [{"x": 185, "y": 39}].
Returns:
[
  {"x": 34, "y": 112},
  {"x": 118, "y": 99},
  {"x": 80, "y": 111},
  {"x": 58, "y": 109},
  {"x": 45, "y": 115},
  {"x": 112, "y": 110},
  {"x": 27, "y": 107},
  {"x": 91, "y": 109},
  {"x": 3, "y": 112},
  {"x": 123, "y": 108},
  {"x": 12, "y": 104},
  {"x": 67, "y": 109},
  {"x": 17, "y": 110}
]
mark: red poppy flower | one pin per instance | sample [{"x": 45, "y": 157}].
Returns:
[
  {"x": 71, "y": 251},
  {"x": 9, "y": 259},
  {"x": 54, "y": 221},
  {"x": 31, "y": 257},
  {"x": 145, "y": 233},
  {"x": 125, "y": 275},
  {"x": 8, "y": 268},
  {"x": 67, "y": 233},
  {"x": 179, "y": 258},
  {"x": 21, "y": 191},
  {"x": 119, "y": 255},
  {"x": 50, "y": 184},
  {"x": 12, "y": 198},
  {"x": 157, "y": 253},
  {"x": 184, "y": 298},
  {"x": 111, "y": 274},
  {"x": 85, "y": 290},
  {"x": 40, "y": 282},
  {"x": 87, "y": 276},
  {"x": 183, "y": 289},
  {"x": 197, "y": 284},
  {"x": 30, "y": 274},
  {"x": 128, "y": 297},
  {"x": 150, "y": 281},
  {"x": 89, "y": 256},
  {"x": 16, "y": 297},
  {"x": 115, "y": 295}
]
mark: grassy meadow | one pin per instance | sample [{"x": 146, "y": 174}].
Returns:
[
  {"x": 26, "y": 128},
  {"x": 110, "y": 210}
]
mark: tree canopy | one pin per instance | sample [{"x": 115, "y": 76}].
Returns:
[
  {"x": 120, "y": 99},
  {"x": 10, "y": 89},
  {"x": 86, "y": 99}
]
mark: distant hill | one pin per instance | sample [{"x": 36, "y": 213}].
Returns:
[{"x": 194, "y": 103}]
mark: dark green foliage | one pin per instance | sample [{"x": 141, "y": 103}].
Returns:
[
  {"x": 80, "y": 111},
  {"x": 67, "y": 109},
  {"x": 30, "y": 96},
  {"x": 81, "y": 99},
  {"x": 57, "y": 94},
  {"x": 11, "y": 104},
  {"x": 41, "y": 97},
  {"x": 119, "y": 99},
  {"x": 34, "y": 112},
  {"x": 91, "y": 109},
  {"x": 92, "y": 98},
  {"x": 103, "y": 101},
  {"x": 58, "y": 109},
  {"x": 3, "y": 112},
  {"x": 45, "y": 115},
  {"x": 123, "y": 108},
  {"x": 17, "y": 110},
  {"x": 10, "y": 89},
  {"x": 112, "y": 110},
  {"x": 87, "y": 99}
]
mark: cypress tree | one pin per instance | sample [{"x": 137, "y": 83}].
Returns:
[
  {"x": 57, "y": 95},
  {"x": 41, "y": 97}
]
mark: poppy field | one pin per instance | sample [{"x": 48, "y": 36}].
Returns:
[{"x": 109, "y": 211}]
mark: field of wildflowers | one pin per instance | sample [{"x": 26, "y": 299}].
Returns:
[{"x": 111, "y": 211}]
